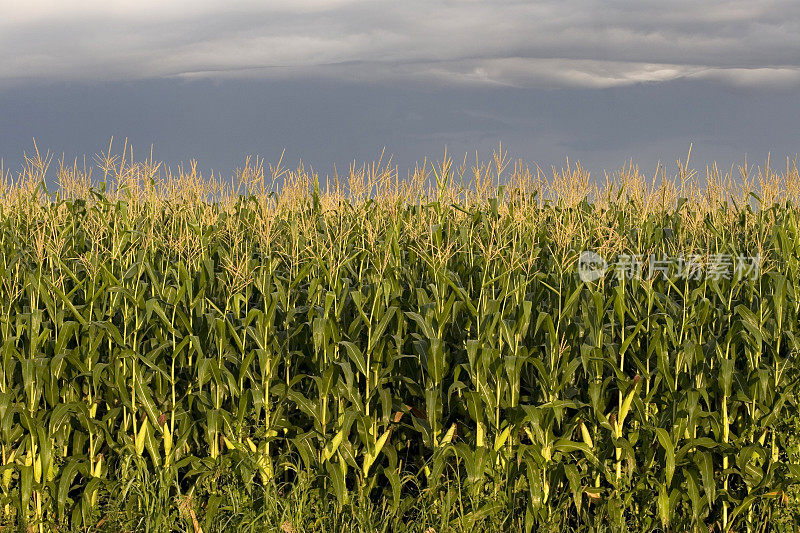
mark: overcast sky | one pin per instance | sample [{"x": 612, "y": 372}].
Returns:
[{"x": 331, "y": 81}]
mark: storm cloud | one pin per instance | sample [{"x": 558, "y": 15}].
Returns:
[
  {"x": 336, "y": 81},
  {"x": 575, "y": 43}
]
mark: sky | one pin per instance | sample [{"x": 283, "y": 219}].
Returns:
[{"x": 331, "y": 82}]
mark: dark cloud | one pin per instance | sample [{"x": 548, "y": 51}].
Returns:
[
  {"x": 329, "y": 123},
  {"x": 337, "y": 80},
  {"x": 564, "y": 43}
]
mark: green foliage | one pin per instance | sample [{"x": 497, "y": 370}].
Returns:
[{"x": 387, "y": 363}]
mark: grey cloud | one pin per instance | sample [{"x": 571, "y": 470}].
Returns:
[
  {"x": 573, "y": 43},
  {"x": 327, "y": 122}
]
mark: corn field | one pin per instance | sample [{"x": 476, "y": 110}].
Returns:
[{"x": 398, "y": 354}]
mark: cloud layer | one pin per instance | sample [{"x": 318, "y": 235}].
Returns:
[{"x": 578, "y": 43}]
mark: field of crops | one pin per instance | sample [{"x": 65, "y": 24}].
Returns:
[{"x": 398, "y": 354}]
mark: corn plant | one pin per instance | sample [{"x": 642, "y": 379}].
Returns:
[{"x": 423, "y": 347}]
